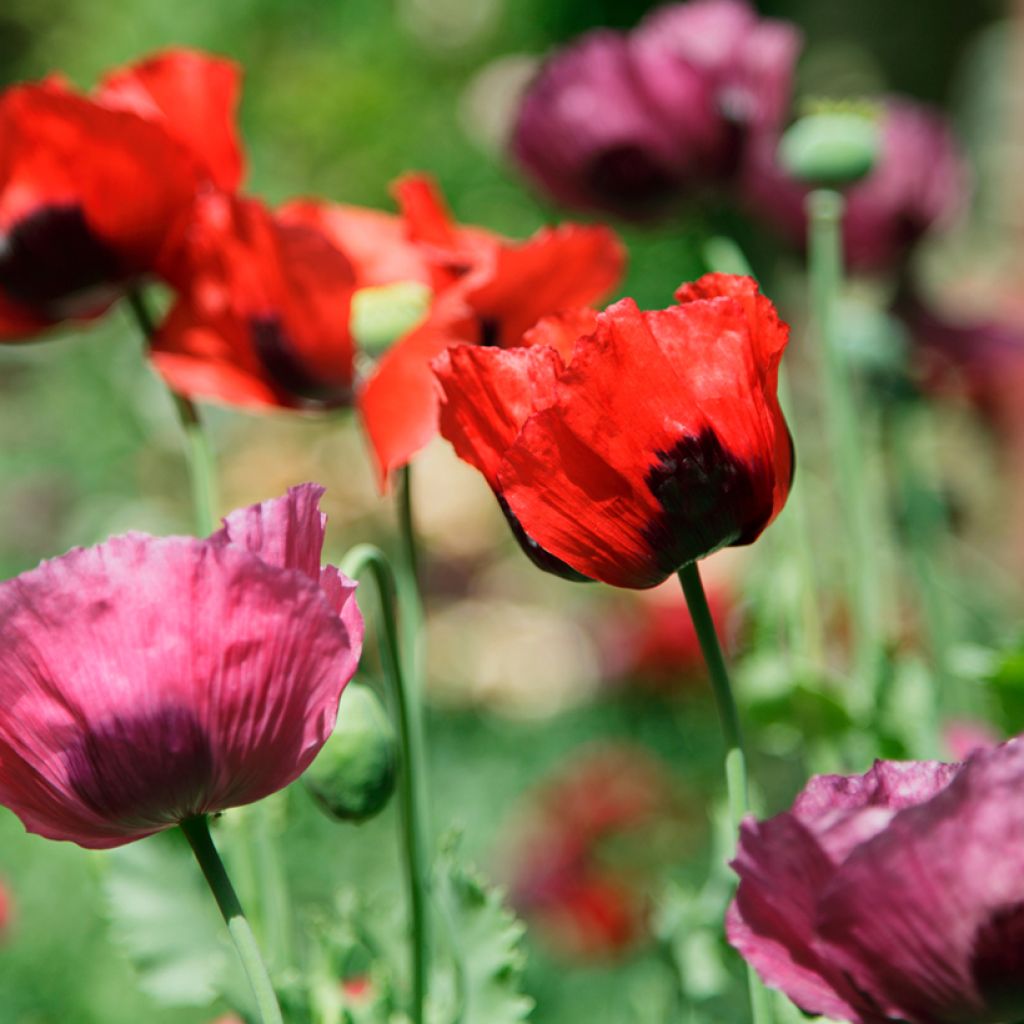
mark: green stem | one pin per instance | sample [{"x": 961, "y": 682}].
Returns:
[
  {"x": 735, "y": 758},
  {"x": 825, "y": 213},
  {"x": 201, "y": 469},
  {"x": 367, "y": 557},
  {"x": 723, "y": 255},
  {"x": 197, "y": 832},
  {"x": 412, "y": 617}
]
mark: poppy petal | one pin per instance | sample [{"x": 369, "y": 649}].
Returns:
[
  {"x": 194, "y": 97},
  {"x": 399, "y": 403}
]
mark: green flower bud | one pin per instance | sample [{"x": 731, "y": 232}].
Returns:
[
  {"x": 831, "y": 148},
  {"x": 382, "y": 314},
  {"x": 353, "y": 776}
]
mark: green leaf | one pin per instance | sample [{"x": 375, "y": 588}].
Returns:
[
  {"x": 483, "y": 983},
  {"x": 165, "y": 919}
]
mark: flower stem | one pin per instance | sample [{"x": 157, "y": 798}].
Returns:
[
  {"x": 201, "y": 469},
  {"x": 825, "y": 253},
  {"x": 367, "y": 557},
  {"x": 197, "y": 832},
  {"x": 735, "y": 758}
]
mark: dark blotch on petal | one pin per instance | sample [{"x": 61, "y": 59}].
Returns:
[
  {"x": 710, "y": 499},
  {"x": 998, "y": 963},
  {"x": 627, "y": 178},
  {"x": 143, "y": 772},
  {"x": 490, "y": 331},
  {"x": 273, "y": 349},
  {"x": 52, "y": 256},
  {"x": 535, "y": 553}
]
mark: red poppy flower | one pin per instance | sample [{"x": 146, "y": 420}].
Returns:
[
  {"x": 490, "y": 290},
  {"x": 263, "y": 313},
  {"x": 90, "y": 189},
  {"x": 147, "y": 680},
  {"x": 660, "y": 441},
  {"x": 587, "y": 904}
]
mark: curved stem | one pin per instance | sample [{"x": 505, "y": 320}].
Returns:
[
  {"x": 735, "y": 757},
  {"x": 367, "y": 557},
  {"x": 201, "y": 470},
  {"x": 197, "y": 832}
]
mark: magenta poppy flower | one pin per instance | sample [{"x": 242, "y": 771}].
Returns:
[
  {"x": 897, "y": 895},
  {"x": 147, "y": 680},
  {"x": 631, "y": 122}
]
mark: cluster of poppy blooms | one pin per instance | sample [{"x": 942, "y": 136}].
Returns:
[{"x": 147, "y": 681}]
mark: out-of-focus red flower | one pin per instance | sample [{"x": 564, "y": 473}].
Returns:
[
  {"x": 262, "y": 315},
  {"x": 148, "y": 680},
  {"x": 653, "y": 642},
  {"x": 895, "y": 895},
  {"x": 919, "y": 183},
  {"x": 628, "y": 123},
  {"x": 659, "y": 441},
  {"x": 91, "y": 188},
  {"x": 488, "y": 290},
  {"x": 564, "y": 878},
  {"x": 6, "y": 911}
]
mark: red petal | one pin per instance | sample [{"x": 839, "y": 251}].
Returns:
[
  {"x": 375, "y": 242},
  {"x": 265, "y": 308},
  {"x": 658, "y": 450},
  {"x": 487, "y": 396},
  {"x": 561, "y": 331},
  {"x": 399, "y": 404},
  {"x": 194, "y": 97},
  {"x": 558, "y": 268}
]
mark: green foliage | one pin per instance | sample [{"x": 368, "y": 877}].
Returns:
[
  {"x": 482, "y": 983},
  {"x": 162, "y": 915}
]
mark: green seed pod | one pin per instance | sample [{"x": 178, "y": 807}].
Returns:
[
  {"x": 832, "y": 148},
  {"x": 383, "y": 313},
  {"x": 353, "y": 776}
]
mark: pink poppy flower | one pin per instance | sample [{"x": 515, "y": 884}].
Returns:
[
  {"x": 894, "y": 895},
  {"x": 147, "y": 680}
]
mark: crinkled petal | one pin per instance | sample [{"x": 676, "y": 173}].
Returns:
[{"x": 148, "y": 680}]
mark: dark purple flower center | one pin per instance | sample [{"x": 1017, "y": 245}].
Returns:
[
  {"x": 52, "y": 257},
  {"x": 998, "y": 963},
  {"x": 143, "y": 771},
  {"x": 274, "y": 350},
  {"x": 628, "y": 178},
  {"x": 710, "y": 498}
]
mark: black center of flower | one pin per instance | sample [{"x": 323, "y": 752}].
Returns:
[
  {"x": 997, "y": 963},
  {"x": 535, "y": 553},
  {"x": 710, "y": 498},
  {"x": 628, "y": 178},
  {"x": 490, "y": 331},
  {"x": 51, "y": 256},
  {"x": 143, "y": 771},
  {"x": 274, "y": 350}
]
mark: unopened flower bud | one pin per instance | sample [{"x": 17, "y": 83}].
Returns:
[{"x": 353, "y": 776}]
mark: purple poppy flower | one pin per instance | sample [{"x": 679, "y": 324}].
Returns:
[
  {"x": 629, "y": 123},
  {"x": 897, "y": 895},
  {"x": 918, "y": 184}
]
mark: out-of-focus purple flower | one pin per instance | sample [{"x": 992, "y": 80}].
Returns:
[
  {"x": 894, "y": 895},
  {"x": 628, "y": 123},
  {"x": 747, "y": 60},
  {"x": 919, "y": 183}
]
